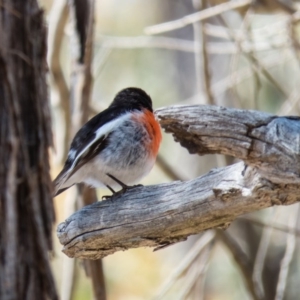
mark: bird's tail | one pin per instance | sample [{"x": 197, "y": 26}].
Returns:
[{"x": 59, "y": 183}]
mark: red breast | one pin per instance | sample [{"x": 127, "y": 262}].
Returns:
[{"x": 153, "y": 128}]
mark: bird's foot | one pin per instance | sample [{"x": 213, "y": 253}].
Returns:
[
  {"x": 109, "y": 197},
  {"x": 124, "y": 186},
  {"x": 130, "y": 187},
  {"x": 124, "y": 189},
  {"x": 115, "y": 194}
]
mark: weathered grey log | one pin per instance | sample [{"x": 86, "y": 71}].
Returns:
[
  {"x": 268, "y": 142},
  {"x": 160, "y": 215}
]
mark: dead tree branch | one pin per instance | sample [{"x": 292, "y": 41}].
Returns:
[
  {"x": 157, "y": 216},
  {"x": 261, "y": 140}
]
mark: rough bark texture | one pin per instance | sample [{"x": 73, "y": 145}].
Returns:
[
  {"x": 26, "y": 209},
  {"x": 160, "y": 215},
  {"x": 268, "y": 142}
]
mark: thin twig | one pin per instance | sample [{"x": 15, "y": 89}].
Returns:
[
  {"x": 185, "y": 264},
  {"x": 292, "y": 25},
  {"x": 261, "y": 33},
  {"x": 242, "y": 261},
  {"x": 234, "y": 63},
  {"x": 196, "y": 17},
  {"x": 255, "y": 63},
  {"x": 223, "y": 85},
  {"x": 200, "y": 269},
  {"x": 279, "y": 227},
  {"x": 94, "y": 269},
  {"x": 100, "y": 58},
  {"x": 249, "y": 35},
  {"x": 88, "y": 54},
  {"x": 167, "y": 169},
  {"x": 198, "y": 291},
  {"x": 291, "y": 104},
  {"x": 57, "y": 21},
  {"x": 220, "y": 48},
  {"x": 198, "y": 40},
  {"x": 81, "y": 92},
  {"x": 287, "y": 259},
  {"x": 206, "y": 72},
  {"x": 69, "y": 273},
  {"x": 261, "y": 254},
  {"x": 205, "y": 61}
]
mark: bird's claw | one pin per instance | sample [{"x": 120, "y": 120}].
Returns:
[
  {"x": 106, "y": 197},
  {"x": 130, "y": 187},
  {"x": 121, "y": 192}
]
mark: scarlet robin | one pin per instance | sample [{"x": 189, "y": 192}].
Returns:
[{"x": 116, "y": 147}]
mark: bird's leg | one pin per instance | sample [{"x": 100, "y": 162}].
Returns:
[
  {"x": 109, "y": 196},
  {"x": 124, "y": 186},
  {"x": 111, "y": 189}
]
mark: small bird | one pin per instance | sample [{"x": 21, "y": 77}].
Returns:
[{"x": 117, "y": 147}]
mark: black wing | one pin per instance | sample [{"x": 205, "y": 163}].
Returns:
[{"x": 85, "y": 136}]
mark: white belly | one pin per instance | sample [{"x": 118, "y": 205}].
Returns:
[
  {"x": 128, "y": 175},
  {"x": 124, "y": 157}
]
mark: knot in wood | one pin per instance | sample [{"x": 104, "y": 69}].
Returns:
[{"x": 226, "y": 193}]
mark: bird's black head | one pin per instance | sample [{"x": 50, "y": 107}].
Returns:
[{"x": 132, "y": 98}]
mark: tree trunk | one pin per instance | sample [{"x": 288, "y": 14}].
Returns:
[{"x": 26, "y": 208}]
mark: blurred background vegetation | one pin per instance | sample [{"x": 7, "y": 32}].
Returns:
[{"x": 244, "y": 58}]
